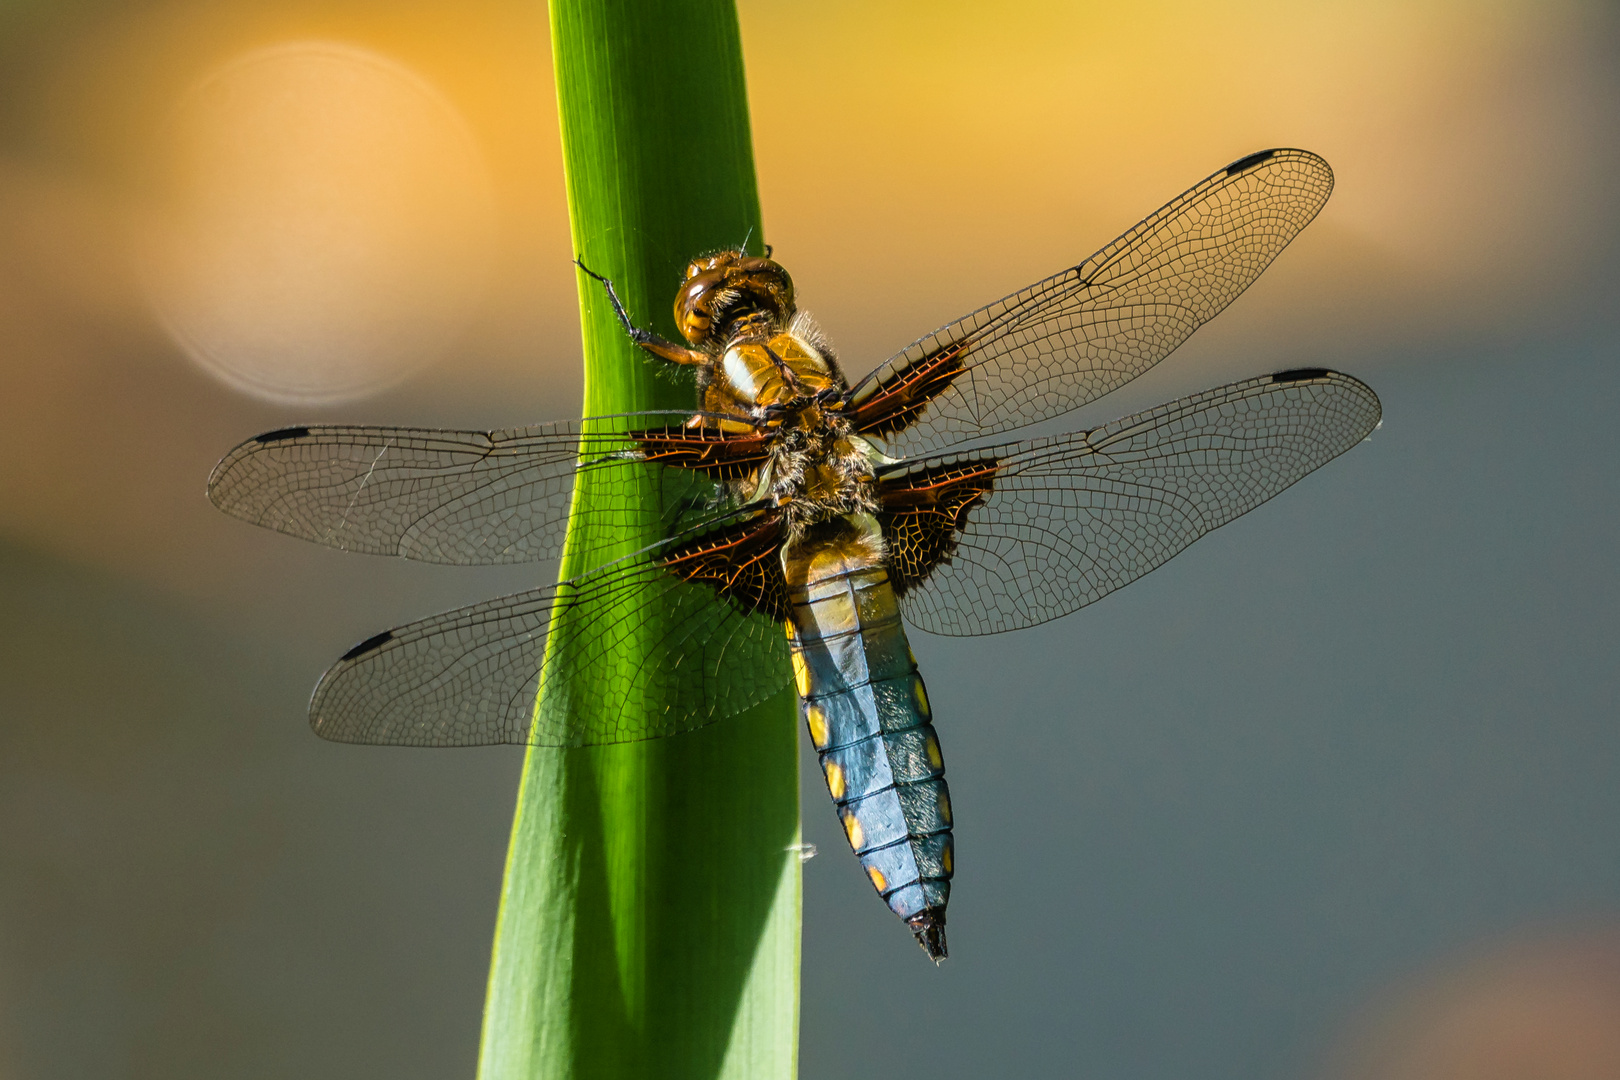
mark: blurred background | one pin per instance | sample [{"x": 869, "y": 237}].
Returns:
[{"x": 1334, "y": 794}]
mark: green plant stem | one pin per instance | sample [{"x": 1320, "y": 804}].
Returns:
[{"x": 649, "y": 921}]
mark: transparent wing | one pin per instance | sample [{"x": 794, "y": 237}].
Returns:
[
  {"x": 1072, "y": 338},
  {"x": 462, "y": 497},
  {"x": 614, "y": 648},
  {"x": 1067, "y": 520}
]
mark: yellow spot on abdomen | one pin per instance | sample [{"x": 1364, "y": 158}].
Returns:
[
  {"x": 815, "y": 718},
  {"x": 801, "y": 673},
  {"x": 935, "y": 758},
  {"x": 922, "y": 699},
  {"x": 948, "y": 859},
  {"x": 945, "y": 806},
  {"x": 835, "y": 779},
  {"x": 852, "y": 829},
  {"x": 879, "y": 882}
]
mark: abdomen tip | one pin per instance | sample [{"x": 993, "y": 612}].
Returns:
[{"x": 929, "y": 926}]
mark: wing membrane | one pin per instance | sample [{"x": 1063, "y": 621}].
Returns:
[
  {"x": 462, "y": 497},
  {"x": 612, "y": 648},
  {"x": 1050, "y": 525},
  {"x": 1072, "y": 338}
]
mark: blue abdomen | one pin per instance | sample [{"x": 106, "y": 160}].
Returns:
[{"x": 868, "y": 715}]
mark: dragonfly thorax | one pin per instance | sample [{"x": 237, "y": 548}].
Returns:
[
  {"x": 819, "y": 470},
  {"x": 774, "y": 372}
]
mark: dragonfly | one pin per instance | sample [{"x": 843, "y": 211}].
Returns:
[{"x": 800, "y": 522}]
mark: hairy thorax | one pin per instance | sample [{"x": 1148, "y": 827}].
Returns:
[{"x": 818, "y": 469}]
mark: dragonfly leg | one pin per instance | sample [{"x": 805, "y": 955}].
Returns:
[{"x": 659, "y": 346}]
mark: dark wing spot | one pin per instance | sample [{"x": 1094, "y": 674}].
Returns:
[
  {"x": 282, "y": 434},
  {"x": 903, "y": 394},
  {"x": 923, "y": 514},
  {"x": 371, "y": 644},
  {"x": 1243, "y": 165},
  {"x": 1303, "y": 374},
  {"x": 722, "y": 455},
  {"x": 741, "y": 562}
]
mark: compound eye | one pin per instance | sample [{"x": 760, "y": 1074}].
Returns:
[
  {"x": 753, "y": 264},
  {"x": 694, "y": 322},
  {"x": 694, "y": 293}
]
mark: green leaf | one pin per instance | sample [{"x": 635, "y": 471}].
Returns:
[{"x": 650, "y": 915}]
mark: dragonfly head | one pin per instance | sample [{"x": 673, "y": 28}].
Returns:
[{"x": 728, "y": 289}]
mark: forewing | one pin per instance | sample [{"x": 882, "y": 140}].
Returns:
[
  {"x": 1072, "y": 338},
  {"x": 1049, "y": 525},
  {"x": 462, "y": 497},
  {"x": 616, "y": 646}
]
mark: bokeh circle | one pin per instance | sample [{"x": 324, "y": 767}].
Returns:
[{"x": 324, "y": 223}]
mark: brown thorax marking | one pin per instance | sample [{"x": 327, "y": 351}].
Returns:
[{"x": 753, "y": 377}]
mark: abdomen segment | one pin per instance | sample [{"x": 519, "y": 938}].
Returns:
[{"x": 868, "y": 715}]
